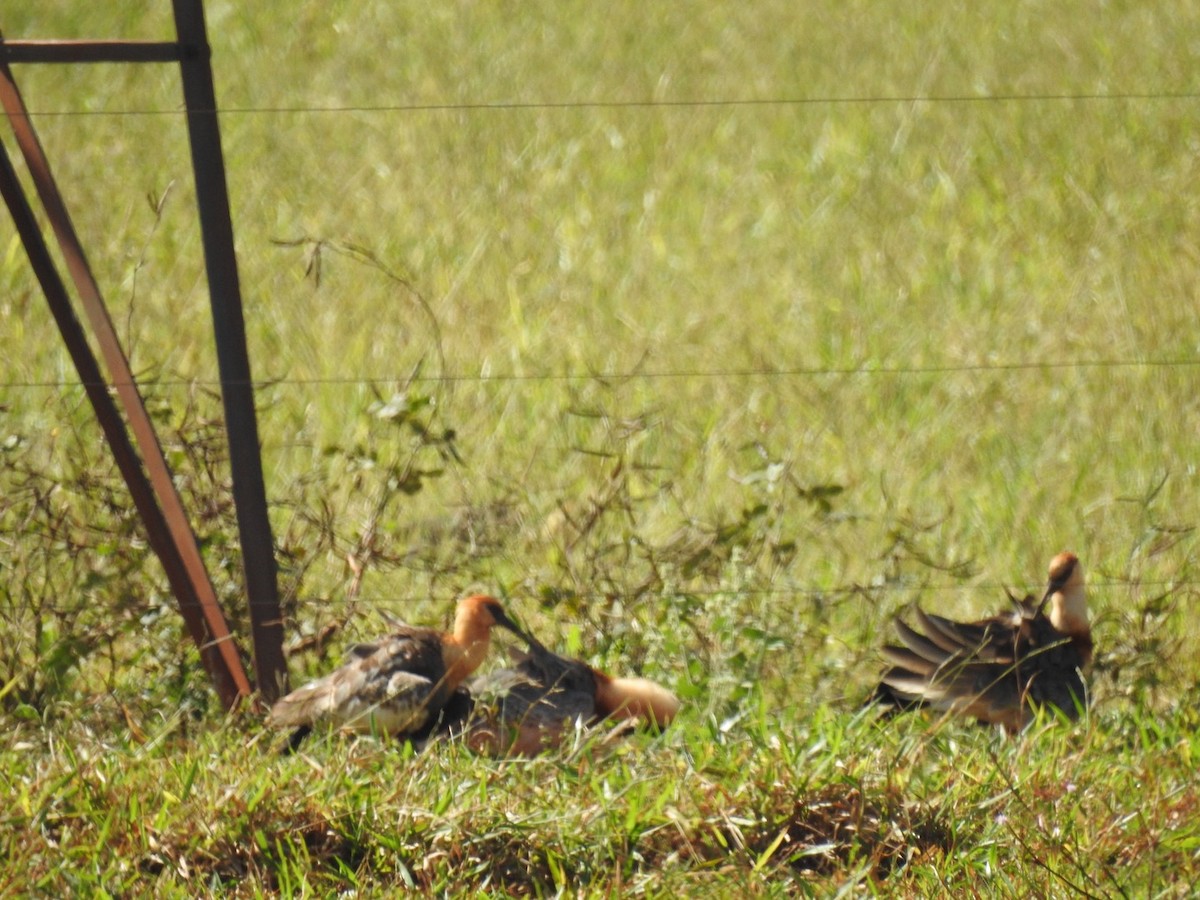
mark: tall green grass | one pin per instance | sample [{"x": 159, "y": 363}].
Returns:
[{"x": 708, "y": 338}]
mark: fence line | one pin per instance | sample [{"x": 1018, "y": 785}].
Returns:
[
  {"x": 377, "y": 602},
  {"x": 944, "y": 588},
  {"x": 552, "y": 105},
  {"x": 680, "y": 374}
]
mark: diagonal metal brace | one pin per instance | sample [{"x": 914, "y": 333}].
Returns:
[{"x": 169, "y": 532}]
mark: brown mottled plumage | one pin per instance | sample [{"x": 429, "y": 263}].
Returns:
[
  {"x": 528, "y": 708},
  {"x": 398, "y": 685},
  {"x": 999, "y": 669}
]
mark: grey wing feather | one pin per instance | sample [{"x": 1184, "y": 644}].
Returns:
[
  {"x": 543, "y": 688},
  {"x": 392, "y": 689},
  {"x": 922, "y": 647}
]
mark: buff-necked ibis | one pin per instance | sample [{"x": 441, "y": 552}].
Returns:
[
  {"x": 399, "y": 685},
  {"x": 999, "y": 669},
  {"x": 530, "y": 707}
]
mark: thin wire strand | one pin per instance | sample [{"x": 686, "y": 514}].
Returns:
[
  {"x": 763, "y": 372},
  {"x": 731, "y": 102},
  {"x": 854, "y": 589},
  {"x": 996, "y": 589}
]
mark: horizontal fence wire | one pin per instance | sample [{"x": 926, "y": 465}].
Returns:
[
  {"x": 720, "y": 103},
  {"x": 801, "y": 590},
  {"x": 1174, "y": 589},
  {"x": 679, "y": 374}
]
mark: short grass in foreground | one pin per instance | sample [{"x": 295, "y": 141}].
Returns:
[{"x": 1107, "y": 808}]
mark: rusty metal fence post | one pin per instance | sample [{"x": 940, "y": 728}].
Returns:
[
  {"x": 170, "y": 533},
  {"x": 237, "y": 388}
]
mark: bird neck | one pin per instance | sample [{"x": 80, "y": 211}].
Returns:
[
  {"x": 1069, "y": 616},
  {"x": 464, "y": 649},
  {"x": 634, "y": 698},
  {"x": 1069, "y": 611}
]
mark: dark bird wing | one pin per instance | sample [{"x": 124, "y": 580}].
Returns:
[
  {"x": 542, "y": 687},
  {"x": 524, "y": 709},
  {"x": 1053, "y": 666},
  {"x": 451, "y": 719},
  {"x": 391, "y": 687},
  {"x": 994, "y": 670}
]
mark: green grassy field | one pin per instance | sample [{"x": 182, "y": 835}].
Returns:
[{"x": 708, "y": 339}]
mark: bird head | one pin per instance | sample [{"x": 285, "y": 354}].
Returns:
[
  {"x": 479, "y": 613},
  {"x": 1067, "y": 595}
]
